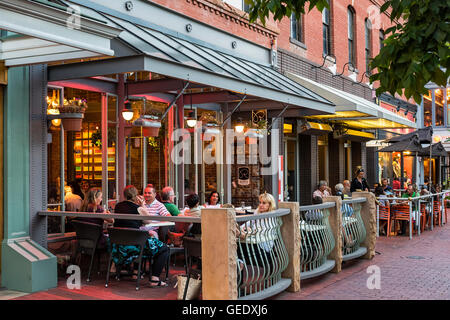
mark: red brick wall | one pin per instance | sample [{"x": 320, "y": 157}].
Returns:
[{"x": 225, "y": 17}]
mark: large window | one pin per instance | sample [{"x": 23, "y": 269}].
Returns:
[
  {"x": 368, "y": 43},
  {"x": 381, "y": 35},
  {"x": 297, "y": 28},
  {"x": 427, "y": 107},
  {"x": 439, "y": 107},
  {"x": 326, "y": 31},
  {"x": 351, "y": 36}
]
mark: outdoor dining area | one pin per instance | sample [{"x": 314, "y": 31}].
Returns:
[{"x": 239, "y": 253}]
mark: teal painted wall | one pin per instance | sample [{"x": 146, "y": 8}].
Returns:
[
  {"x": 17, "y": 154},
  {"x": 26, "y": 266}
]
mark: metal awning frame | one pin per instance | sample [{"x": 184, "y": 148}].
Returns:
[{"x": 143, "y": 62}]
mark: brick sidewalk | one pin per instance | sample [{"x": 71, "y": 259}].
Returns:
[{"x": 427, "y": 277}]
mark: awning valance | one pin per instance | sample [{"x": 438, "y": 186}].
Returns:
[
  {"x": 353, "y": 110},
  {"x": 43, "y": 31}
]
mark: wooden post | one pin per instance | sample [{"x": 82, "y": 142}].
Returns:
[
  {"x": 335, "y": 220},
  {"x": 290, "y": 232},
  {"x": 219, "y": 254},
  {"x": 368, "y": 215}
]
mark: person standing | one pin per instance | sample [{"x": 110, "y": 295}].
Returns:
[
  {"x": 359, "y": 183},
  {"x": 71, "y": 201}
]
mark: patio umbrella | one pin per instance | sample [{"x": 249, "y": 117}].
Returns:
[
  {"x": 425, "y": 135},
  {"x": 437, "y": 150},
  {"x": 412, "y": 144}
]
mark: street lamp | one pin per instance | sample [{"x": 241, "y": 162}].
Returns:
[{"x": 239, "y": 127}]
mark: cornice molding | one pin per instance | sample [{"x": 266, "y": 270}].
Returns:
[{"x": 232, "y": 14}]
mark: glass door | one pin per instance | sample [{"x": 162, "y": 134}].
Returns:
[{"x": 291, "y": 169}]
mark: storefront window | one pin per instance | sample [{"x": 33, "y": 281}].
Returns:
[
  {"x": 439, "y": 106},
  {"x": 427, "y": 106}
]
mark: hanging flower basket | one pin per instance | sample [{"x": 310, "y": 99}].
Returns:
[
  {"x": 150, "y": 125},
  {"x": 70, "y": 121},
  {"x": 71, "y": 114}
]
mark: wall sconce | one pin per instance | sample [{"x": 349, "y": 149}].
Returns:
[
  {"x": 331, "y": 68},
  {"x": 127, "y": 112},
  {"x": 55, "y": 122}
]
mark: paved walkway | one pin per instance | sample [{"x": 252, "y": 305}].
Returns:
[{"x": 410, "y": 269}]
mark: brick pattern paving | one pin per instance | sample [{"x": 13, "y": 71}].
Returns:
[{"x": 402, "y": 277}]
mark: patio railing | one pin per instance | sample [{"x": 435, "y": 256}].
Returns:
[
  {"x": 317, "y": 240},
  {"x": 353, "y": 232},
  {"x": 261, "y": 255}
]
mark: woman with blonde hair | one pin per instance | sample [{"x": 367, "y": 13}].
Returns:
[{"x": 91, "y": 203}]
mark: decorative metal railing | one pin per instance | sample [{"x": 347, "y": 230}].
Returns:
[
  {"x": 353, "y": 232},
  {"x": 317, "y": 240},
  {"x": 261, "y": 255}
]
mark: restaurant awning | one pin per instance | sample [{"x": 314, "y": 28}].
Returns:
[
  {"x": 146, "y": 49},
  {"x": 353, "y": 135},
  {"x": 353, "y": 110},
  {"x": 314, "y": 128},
  {"x": 412, "y": 145},
  {"x": 41, "y": 31}
]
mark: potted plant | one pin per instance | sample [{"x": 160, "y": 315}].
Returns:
[
  {"x": 71, "y": 114},
  {"x": 150, "y": 122}
]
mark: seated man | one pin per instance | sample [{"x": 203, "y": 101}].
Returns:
[
  {"x": 154, "y": 208},
  {"x": 386, "y": 187}
]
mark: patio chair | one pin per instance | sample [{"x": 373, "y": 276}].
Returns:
[
  {"x": 163, "y": 236},
  {"x": 192, "y": 249},
  {"x": 401, "y": 213},
  {"x": 437, "y": 213},
  {"x": 385, "y": 214},
  {"x": 88, "y": 242},
  {"x": 127, "y": 237}
]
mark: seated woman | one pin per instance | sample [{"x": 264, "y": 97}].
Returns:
[
  {"x": 124, "y": 255},
  {"x": 91, "y": 203},
  {"x": 213, "y": 200},
  {"x": 194, "y": 210},
  {"x": 258, "y": 252}
]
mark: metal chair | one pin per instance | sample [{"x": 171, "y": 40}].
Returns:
[
  {"x": 127, "y": 237},
  {"x": 385, "y": 214},
  {"x": 401, "y": 213},
  {"x": 437, "y": 213},
  {"x": 163, "y": 236},
  {"x": 88, "y": 238},
  {"x": 192, "y": 249}
]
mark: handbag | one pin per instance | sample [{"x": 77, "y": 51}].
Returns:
[
  {"x": 193, "y": 292},
  {"x": 175, "y": 238}
]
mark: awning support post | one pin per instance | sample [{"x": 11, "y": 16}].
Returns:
[
  {"x": 235, "y": 108},
  {"x": 174, "y": 100},
  {"x": 278, "y": 116}
]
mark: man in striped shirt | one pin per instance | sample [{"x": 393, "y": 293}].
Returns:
[{"x": 154, "y": 208}]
